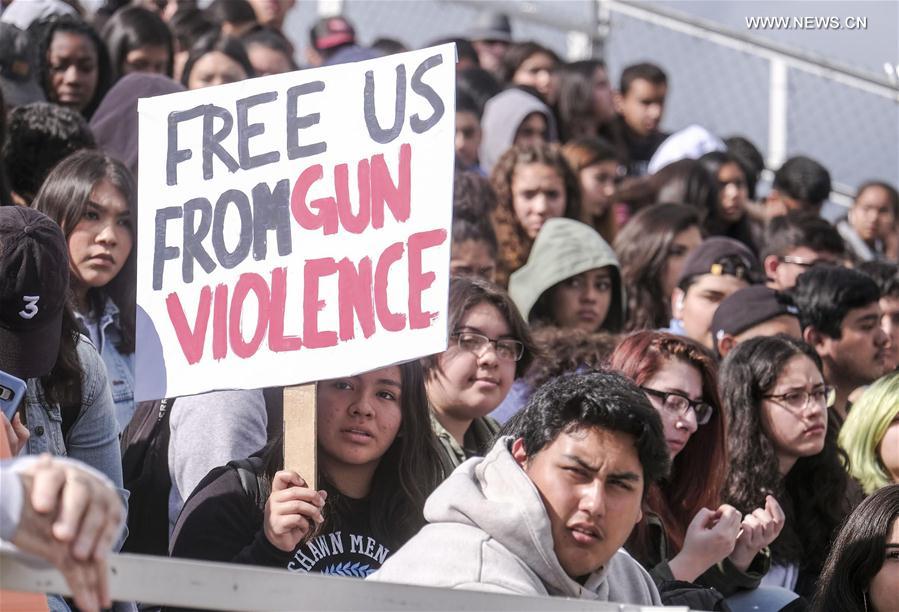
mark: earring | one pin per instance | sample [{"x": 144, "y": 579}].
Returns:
[{"x": 865, "y": 599}]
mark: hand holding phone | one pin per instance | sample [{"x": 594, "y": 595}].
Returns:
[{"x": 12, "y": 390}]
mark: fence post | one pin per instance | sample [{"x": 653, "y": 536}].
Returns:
[{"x": 777, "y": 113}]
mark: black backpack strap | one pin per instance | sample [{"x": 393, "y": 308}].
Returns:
[
  {"x": 145, "y": 472},
  {"x": 251, "y": 472}
]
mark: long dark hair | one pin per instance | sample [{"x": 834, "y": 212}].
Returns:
[
  {"x": 858, "y": 553},
  {"x": 131, "y": 28},
  {"x": 406, "y": 474},
  {"x": 643, "y": 247},
  {"x": 64, "y": 196},
  {"x": 813, "y": 491},
  {"x": 698, "y": 471},
  {"x": 44, "y": 31}
]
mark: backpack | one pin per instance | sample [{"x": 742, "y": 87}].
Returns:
[
  {"x": 145, "y": 472},
  {"x": 251, "y": 472}
]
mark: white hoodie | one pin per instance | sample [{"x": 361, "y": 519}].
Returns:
[{"x": 488, "y": 531}]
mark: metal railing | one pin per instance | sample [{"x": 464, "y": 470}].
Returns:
[{"x": 225, "y": 586}]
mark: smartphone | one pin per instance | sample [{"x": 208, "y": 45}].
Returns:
[{"x": 12, "y": 390}]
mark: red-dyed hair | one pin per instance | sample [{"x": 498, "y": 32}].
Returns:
[{"x": 698, "y": 471}]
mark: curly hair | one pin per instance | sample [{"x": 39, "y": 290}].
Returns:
[
  {"x": 566, "y": 350},
  {"x": 514, "y": 243},
  {"x": 676, "y": 501},
  {"x": 812, "y": 492}
]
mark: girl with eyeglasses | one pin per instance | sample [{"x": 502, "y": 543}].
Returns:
[
  {"x": 780, "y": 444},
  {"x": 687, "y": 534},
  {"x": 489, "y": 346}
]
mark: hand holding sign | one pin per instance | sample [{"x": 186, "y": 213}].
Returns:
[{"x": 292, "y": 511}]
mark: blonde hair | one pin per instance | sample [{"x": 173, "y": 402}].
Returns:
[{"x": 865, "y": 428}]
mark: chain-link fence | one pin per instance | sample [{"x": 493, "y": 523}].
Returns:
[{"x": 785, "y": 102}]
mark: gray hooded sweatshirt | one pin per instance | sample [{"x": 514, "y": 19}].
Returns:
[
  {"x": 488, "y": 531},
  {"x": 503, "y": 115},
  {"x": 562, "y": 249}
]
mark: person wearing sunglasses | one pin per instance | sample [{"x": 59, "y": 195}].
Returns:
[
  {"x": 781, "y": 443},
  {"x": 489, "y": 346},
  {"x": 687, "y": 534}
]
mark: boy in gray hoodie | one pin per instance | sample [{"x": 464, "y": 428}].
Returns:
[{"x": 547, "y": 510}]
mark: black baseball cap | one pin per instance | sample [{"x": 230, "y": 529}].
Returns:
[
  {"x": 749, "y": 307},
  {"x": 34, "y": 284},
  {"x": 722, "y": 256}
]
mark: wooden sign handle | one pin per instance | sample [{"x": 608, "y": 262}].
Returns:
[{"x": 300, "y": 430}]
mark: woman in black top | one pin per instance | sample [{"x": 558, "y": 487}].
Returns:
[{"x": 377, "y": 462}]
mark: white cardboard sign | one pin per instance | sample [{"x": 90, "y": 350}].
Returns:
[{"x": 295, "y": 227}]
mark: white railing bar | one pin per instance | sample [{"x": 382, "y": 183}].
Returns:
[{"x": 223, "y": 586}]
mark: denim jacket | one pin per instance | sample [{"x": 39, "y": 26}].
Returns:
[
  {"x": 93, "y": 437},
  {"x": 119, "y": 368}
]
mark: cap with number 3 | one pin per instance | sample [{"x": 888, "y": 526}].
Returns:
[{"x": 34, "y": 282}]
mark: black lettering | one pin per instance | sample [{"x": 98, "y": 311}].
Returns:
[
  {"x": 375, "y": 131},
  {"x": 212, "y": 142},
  {"x": 161, "y": 252},
  {"x": 174, "y": 155},
  {"x": 246, "y": 131},
  {"x": 230, "y": 259},
  {"x": 295, "y": 123},
  {"x": 193, "y": 238},
  {"x": 417, "y": 124},
  {"x": 271, "y": 211}
]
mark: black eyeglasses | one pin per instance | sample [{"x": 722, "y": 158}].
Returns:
[
  {"x": 679, "y": 404},
  {"x": 507, "y": 349}
]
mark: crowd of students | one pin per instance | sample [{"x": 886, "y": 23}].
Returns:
[{"x": 668, "y": 380}]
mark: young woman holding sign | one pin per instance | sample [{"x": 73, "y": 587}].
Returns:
[
  {"x": 92, "y": 198},
  {"x": 378, "y": 463}
]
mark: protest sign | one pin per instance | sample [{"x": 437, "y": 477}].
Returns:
[{"x": 295, "y": 227}]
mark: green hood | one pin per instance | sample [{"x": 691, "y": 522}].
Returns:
[{"x": 562, "y": 249}]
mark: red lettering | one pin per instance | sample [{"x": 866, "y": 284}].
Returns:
[
  {"x": 389, "y": 320},
  {"x": 220, "y": 323},
  {"x": 314, "y": 270},
  {"x": 277, "y": 341},
  {"x": 327, "y": 215},
  {"x": 354, "y": 224},
  {"x": 397, "y": 196},
  {"x": 191, "y": 340},
  {"x": 419, "y": 281},
  {"x": 246, "y": 283},
  {"x": 355, "y": 295}
]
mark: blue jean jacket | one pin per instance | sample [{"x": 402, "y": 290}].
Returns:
[
  {"x": 94, "y": 436},
  {"x": 106, "y": 333}
]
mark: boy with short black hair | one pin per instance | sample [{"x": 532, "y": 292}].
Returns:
[
  {"x": 886, "y": 275},
  {"x": 547, "y": 511},
  {"x": 468, "y": 133},
  {"x": 840, "y": 316},
  {"x": 801, "y": 183},
  {"x": 640, "y": 104},
  {"x": 795, "y": 242}
]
